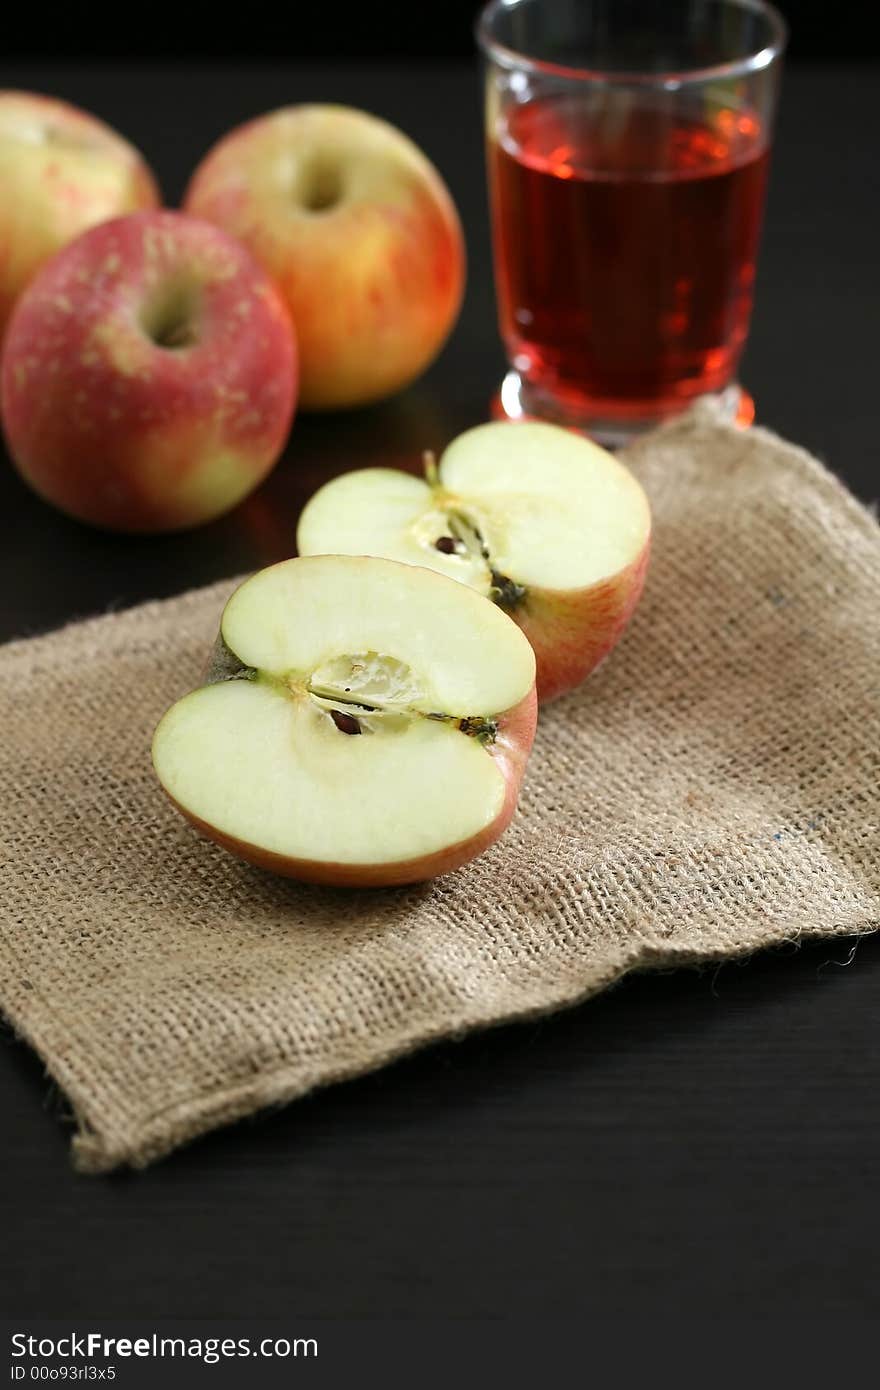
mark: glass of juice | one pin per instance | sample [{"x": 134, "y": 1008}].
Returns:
[{"x": 628, "y": 148}]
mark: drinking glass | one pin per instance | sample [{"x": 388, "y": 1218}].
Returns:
[{"x": 628, "y": 148}]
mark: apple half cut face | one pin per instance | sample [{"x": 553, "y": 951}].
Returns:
[
  {"x": 363, "y": 723},
  {"x": 551, "y": 527}
]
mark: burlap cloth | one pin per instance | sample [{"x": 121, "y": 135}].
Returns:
[{"x": 711, "y": 790}]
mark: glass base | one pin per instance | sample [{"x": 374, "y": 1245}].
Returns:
[{"x": 516, "y": 400}]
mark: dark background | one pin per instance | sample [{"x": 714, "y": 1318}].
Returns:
[
  {"x": 345, "y": 29},
  {"x": 689, "y": 1144}
]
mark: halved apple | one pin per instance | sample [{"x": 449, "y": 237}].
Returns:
[
  {"x": 550, "y": 526},
  {"x": 363, "y": 723}
]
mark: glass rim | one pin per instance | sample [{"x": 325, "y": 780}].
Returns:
[{"x": 671, "y": 78}]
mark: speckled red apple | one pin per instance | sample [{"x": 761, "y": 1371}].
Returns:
[
  {"x": 61, "y": 171},
  {"x": 361, "y": 234},
  {"x": 149, "y": 375}
]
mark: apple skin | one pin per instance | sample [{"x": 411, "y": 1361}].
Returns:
[
  {"x": 572, "y": 631},
  {"x": 129, "y": 435},
  {"x": 374, "y": 280},
  {"x": 61, "y": 171},
  {"x": 510, "y": 749}
]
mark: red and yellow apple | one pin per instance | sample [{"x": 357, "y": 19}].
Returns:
[
  {"x": 61, "y": 171},
  {"x": 365, "y": 723},
  {"x": 541, "y": 520},
  {"x": 149, "y": 375},
  {"x": 359, "y": 231}
]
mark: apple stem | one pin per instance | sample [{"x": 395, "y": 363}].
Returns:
[{"x": 429, "y": 461}]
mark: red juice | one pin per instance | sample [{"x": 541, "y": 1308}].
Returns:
[{"x": 625, "y": 244}]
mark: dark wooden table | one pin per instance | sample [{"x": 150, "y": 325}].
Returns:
[{"x": 694, "y": 1142}]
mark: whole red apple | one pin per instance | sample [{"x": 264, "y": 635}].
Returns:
[
  {"x": 149, "y": 375},
  {"x": 360, "y": 232},
  {"x": 61, "y": 171}
]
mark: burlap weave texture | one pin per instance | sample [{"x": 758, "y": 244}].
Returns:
[{"x": 711, "y": 790}]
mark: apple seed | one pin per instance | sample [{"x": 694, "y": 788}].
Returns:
[{"x": 345, "y": 723}]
